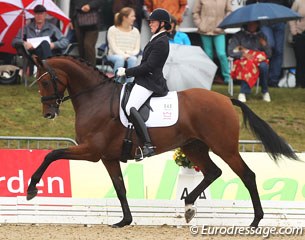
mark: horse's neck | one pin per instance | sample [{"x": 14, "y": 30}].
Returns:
[
  {"x": 82, "y": 80},
  {"x": 97, "y": 108},
  {"x": 86, "y": 86},
  {"x": 102, "y": 95},
  {"x": 80, "y": 77}
]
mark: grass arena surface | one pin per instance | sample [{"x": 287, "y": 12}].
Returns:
[
  {"x": 81, "y": 232},
  {"x": 21, "y": 115}
]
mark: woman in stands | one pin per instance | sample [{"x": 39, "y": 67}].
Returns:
[{"x": 123, "y": 40}]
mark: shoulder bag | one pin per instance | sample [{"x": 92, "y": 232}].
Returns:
[{"x": 87, "y": 19}]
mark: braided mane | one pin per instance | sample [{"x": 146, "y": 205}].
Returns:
[{"x": 82, "y": 62}]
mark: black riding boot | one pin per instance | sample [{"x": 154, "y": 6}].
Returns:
[{"x": 141, "y": 130}]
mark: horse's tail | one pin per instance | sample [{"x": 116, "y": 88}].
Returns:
[{"x": 274, "y": 145}]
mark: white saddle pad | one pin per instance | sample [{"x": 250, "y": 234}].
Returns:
[{"x": 165, "y": 111}]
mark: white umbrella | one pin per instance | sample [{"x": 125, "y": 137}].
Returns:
[{"x": 188, "y": 67}]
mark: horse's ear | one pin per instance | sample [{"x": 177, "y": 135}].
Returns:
[{"x": 37, "y": 61}]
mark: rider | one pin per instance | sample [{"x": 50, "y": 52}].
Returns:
[{"x": 149, "y": 79}]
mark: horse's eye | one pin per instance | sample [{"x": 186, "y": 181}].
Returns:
[{"x": 45, "y": 83}]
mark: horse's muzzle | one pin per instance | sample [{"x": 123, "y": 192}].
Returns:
[{"x": 51, "y": 112}]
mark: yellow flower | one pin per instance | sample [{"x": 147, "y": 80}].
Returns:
[{"x": 181, "y": 159}]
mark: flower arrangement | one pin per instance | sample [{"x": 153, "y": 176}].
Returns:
[{"x": 182, "y": 160}]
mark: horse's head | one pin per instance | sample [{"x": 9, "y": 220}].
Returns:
[{"x": 52, "y": 84}]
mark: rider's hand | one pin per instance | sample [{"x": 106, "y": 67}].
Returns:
[{"x": 120, "y": 72}]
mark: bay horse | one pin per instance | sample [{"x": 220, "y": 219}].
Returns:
[{"x": 207, "y": 121}]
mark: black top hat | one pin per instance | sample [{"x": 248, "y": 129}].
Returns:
[{"x": 39, "y": 9}]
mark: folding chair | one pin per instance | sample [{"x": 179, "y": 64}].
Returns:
[
  {"x": 102, "y": 60},
  {"x": 27, "y": 64},
  {"x": 72, "y": 49},
  {"x": 230, "y": 83}
]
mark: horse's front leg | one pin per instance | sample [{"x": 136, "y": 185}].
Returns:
[
  {"x": 115, "y": 172},
  {"x": 80, "y": 152},
  {"x": 49, "y": 158}
]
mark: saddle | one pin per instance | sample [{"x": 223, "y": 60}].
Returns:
[{"x": 156, "y": 112}]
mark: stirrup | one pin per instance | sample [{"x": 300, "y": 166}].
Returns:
[{"x": 147, "y": 151}]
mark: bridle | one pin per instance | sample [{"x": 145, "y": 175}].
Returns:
[{"x": 57, "y": 96}]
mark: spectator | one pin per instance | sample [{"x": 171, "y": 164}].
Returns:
[
  {"x": 251, "y": 51},
  {"x": 297, "y": 29},
  {"x": 41, "y": 28},
  {"x": 86, "y": 36},
  {"x": 275, "y": 34},
  {"x": 124, "y": 40},
  {"x": 137, "y": 5},
  {"x": 174, "y": 7},
  {"x": 175, "y": 36},
  {"x": 207, "y": 15}
]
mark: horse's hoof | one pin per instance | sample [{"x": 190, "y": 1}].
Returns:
[
  {"x": 254, "y": 224},
  {"x": 116, "y": 226},
  {"x": 256, "y": 221},
  {"x": 121, "y": 224},
  {"x": 190, "y": 212},
  {"x": 31, "y": 194}
]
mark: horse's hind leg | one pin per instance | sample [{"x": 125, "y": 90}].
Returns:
[
  {"x": 197, "y": 152},
  {"x": 247, "y": 176}
]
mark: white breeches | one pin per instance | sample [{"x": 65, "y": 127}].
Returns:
[{"x": 137, "y": 98}]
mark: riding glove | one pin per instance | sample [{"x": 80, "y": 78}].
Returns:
[{"x": 120, "y": 72}]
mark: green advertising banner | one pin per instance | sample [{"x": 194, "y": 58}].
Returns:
[{"x": 159, "y": 177}]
